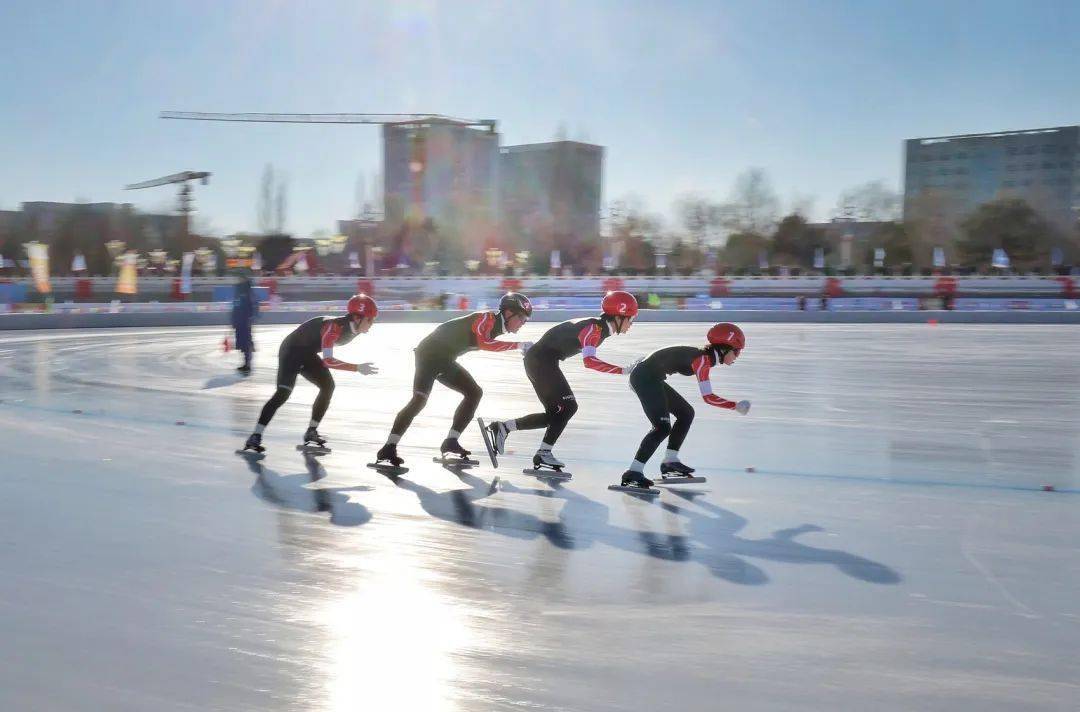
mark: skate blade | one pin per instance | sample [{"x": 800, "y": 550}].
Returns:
[
  {"x": 313, "y": 449},
  {"x": 548, "y": 474},
  {"x": 487, "y": 442},
  {"x": 388, "y": 470},
  {"x": 456, "y": 461},
  {"x": 251, "y": 454},
  {"x": 676, "y": 480},
  {"x": 634, "y": 490}
]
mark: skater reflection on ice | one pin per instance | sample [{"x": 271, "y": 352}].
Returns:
[
  {"x": 725, "y": 552},
  {"x": 710, "y": 540},
  {"x": 291, "y": 492},
  {"x": 459, "y": 506}
]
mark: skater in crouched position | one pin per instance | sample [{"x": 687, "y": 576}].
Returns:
[
  {"x": 309, "y": 352},
  {"x": 577, "y": 336},
  {"x": 436, "y": 360},
  {"x": 660, "y": 401}
]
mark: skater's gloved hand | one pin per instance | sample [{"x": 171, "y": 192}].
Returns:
[
  {"x": 633, "y": 365},
  {"x": 366, "y": 369},
  {"x": 525, "y": 346},
  {"x": 743, "y": 407}
]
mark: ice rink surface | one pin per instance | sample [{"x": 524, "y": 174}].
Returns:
[{"x": 892, "y": 550}]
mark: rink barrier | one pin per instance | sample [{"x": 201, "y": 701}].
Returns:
[{"x": 70, "y": 320}]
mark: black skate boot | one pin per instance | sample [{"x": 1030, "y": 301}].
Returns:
[
  {"x": 314, "y": 444},
  {"x": 633, "y": 478},
  {"x": 547, "y": 467},
  {"x": 451, "y": 453},
  {"x": 676, "y": 468},
  {"x": 388, "y": 454},
  {"x": 253, "y": 448},
  {"x": 543, "y": 459},
  {"x": 254, "y": 443},
  {"x": 498, "y": 434},
  {"x": 676, "y": 473}
]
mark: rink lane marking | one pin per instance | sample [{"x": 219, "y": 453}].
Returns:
[
  {"x": 965, "y": 549},
  {"x": 907, "y": 481}
]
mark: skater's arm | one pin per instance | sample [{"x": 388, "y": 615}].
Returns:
[
  {"x": 330, "y": 334},
  {"x": 590, "y": 339},
  {"x": 482, "y": 329},
  {"x": 701, "y": 371}
]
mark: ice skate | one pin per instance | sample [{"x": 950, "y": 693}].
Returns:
[
  {"x": 314, "y": 443},
  {"x": 677, "y": 473},
  {"x": 387, "y": 455},
  {"x": 635, "y": 482},
  {"x": 547, "y": 466},
  {"x": 253, "y": 448},
  {"x": 487, "y": 434},
  {"x": 387, "y": 461},
  {"x": 451, "y": 453},
  {"x": 244, "y": 370},
  {"x": 499, "y": 433}
]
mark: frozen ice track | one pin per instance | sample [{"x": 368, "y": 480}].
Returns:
[{"x": 140, "y": 572}]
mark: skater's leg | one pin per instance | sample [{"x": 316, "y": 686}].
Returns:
[
  {"x": 558, "y": 416},
  {"x": 288, "y": 369},
  {"x": 457, "y": 378},
  {"x": 684, "y": 417},
  {"x": 423, "y": 380},
  {"x": 539, "y": 373},
  {"x": 315, "y": 371},
  {"x": 650, "y": 391}
]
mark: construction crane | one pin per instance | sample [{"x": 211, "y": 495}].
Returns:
[
  {"x": 388, "y": 119},
  {"x": 417, "y": 162},
  {"x": 184, "y": 201}
]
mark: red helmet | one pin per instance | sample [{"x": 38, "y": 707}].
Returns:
[
  {"x": 725, "y": 334},
  {"x": 619, "y": 304},
  {"x": 363, "y": 305}
]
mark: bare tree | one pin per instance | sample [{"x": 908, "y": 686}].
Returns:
[
  {"x": 753, "y": 207},
  {"x": 377, "y": 195},
  {"x": 701, "y": 218},
  {"x": 265, "y": 206},
  {"x": 636, "y": 234},
  {"x": 281, "y": 207},
  {"x": 873, "y": 201},
  {"x": 361, "y": 196},
  {"x": 801, "y": 204}
]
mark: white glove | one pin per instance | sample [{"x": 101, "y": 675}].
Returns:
[
  {"x": 525, "y": 346},
  {"x": 633, "y": 364},
  {"x": 743, "y": 407},
  {"x": 366, "y": 369}
]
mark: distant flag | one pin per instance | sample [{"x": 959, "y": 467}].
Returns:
[
  {"x": 939, "y": 257},
  {"x": 39, "y": 265},
  {"x": 1000, "y": 259},
  {"x": 819, "y": 258},
  {"x": 185, "y": 272},
  {"x": 127, "y": 282}
]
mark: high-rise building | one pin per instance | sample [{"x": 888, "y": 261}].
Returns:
[
  {"x": 947, "y": 177},
  {"x": 550, "y": 194},
  {"x": 440, "y": 170}
]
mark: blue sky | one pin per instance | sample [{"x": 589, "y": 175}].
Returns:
[{"x": 684, "y": 95}]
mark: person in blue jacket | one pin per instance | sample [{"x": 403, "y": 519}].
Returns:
[{"x": 245, "y": 308}]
